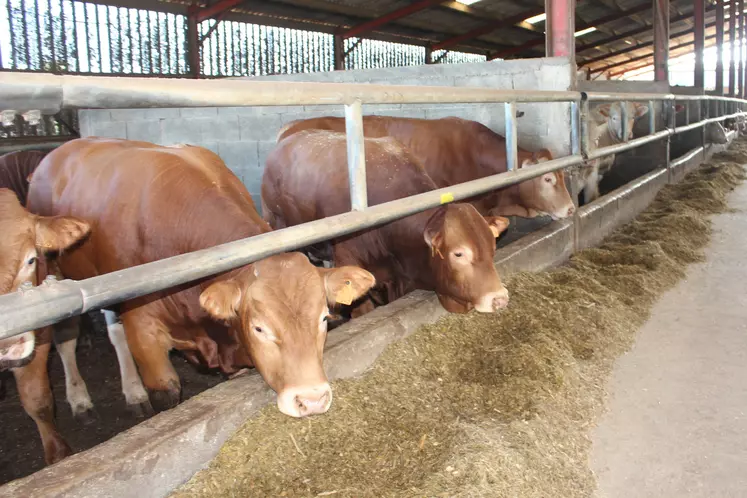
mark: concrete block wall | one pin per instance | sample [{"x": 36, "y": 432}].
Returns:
[{"x": 243, "y": 136}]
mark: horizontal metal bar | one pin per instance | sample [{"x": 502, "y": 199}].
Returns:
[
  {"x": 622, "y": 147},
  {"x": 622, "y": 96},
  {"x": 48, "y": 92},
  {"x": 687, "y": 157},
  {"x": 5, "y": 149},
  {"x": 50, "y": 303}
]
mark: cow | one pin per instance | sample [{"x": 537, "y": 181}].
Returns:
[
  {"x": 16, "y": 169},
  {"x": 605, "y": 129},
  {"x": 26, "y": 240},
  {"x": 454, "y": 150},
  {"x": 448, "y": 249},
  {"x": 149, "y": 202}
]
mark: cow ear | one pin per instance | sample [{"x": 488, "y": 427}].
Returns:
[
  {"x": 601, "y": 112},
  {"x": 432, "y": 234},
  {"x": 641, "y": 110},
  {"x": 58, "y": 233},
  {"x": 346, "y": 284},
  {"x": 221, "y": 300},
  {"x": 497, "y": 224}
]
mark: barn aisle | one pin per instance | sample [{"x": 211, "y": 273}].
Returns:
[{"x": 677, "y": 411}]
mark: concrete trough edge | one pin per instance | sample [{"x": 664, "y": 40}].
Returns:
[{"x": 161, "y": 453}]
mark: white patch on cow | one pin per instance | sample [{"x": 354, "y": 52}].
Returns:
[
  {"x": 18, "y": 347},
  {"x": 132, "y": 385},
  {"x": 75, "y": 387},
  {"x": 304, "y": 401}
]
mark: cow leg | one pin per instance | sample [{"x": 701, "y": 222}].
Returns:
[
  {"x": 149, "y": 342},
  {"x": 66, "y": 339},
  {"x": 132, "y": 386},
  {"x": 36, "y": 397}
]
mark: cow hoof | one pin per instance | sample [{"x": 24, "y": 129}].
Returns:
[
  {"x": 141, "y": 410},
  {"x": 56, "y": 450},
  {"x": 87, "y": 417},
  {"x": 165, "y": 400}
]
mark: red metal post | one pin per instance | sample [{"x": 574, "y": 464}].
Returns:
[
  {"x": 733, "y": 49},
  {"x": 699, "y": 40},
  {"x": 720, "y": 47},
  {"x": 740, "y": 43},
  {"x": 661, "y": 40},
  {"x": 559, "y": 28},
  {"x": 743, "y": 50}
]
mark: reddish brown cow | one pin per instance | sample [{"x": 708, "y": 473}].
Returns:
[
  {"x": 149, "y": 202},
  {"x": 25, "y": 241},
  {"x": 15, "y": 170},
  {"x": 454, "y": 151},
  {"x": 448, "y": 249}
]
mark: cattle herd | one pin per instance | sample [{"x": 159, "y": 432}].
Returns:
[{"x": 97, "y": 205}]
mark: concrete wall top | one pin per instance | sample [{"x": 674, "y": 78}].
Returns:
[
  {"x": 244, "y": 136},
  {"x": 623, "y": 86}
]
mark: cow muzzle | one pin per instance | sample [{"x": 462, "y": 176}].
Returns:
[
  {"x": 17, "y": 351},
  {"x": 493, "y": 301},
  {"x": 304, "y": 401}
]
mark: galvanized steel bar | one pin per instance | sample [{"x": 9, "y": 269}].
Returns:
[
  {"x": 624, "y": 120},
  {"x": 575, "y": 129},
  {"x": 584, "y": 128},
  {"x": 51, "y": 303},
  {"x": 632, "y": 144},
  {"x": 356, "y": 156},
  {"x": 651, "y": 116},
  {"x": 512, "y": 143}
]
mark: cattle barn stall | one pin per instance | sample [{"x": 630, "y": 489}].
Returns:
[{"x": 163, "y": 451}]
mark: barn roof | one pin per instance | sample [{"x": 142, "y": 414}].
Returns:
[{"x": 621, "y": 40}]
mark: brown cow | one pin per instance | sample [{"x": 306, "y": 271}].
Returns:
[
  {"x": 149, "y": 202},
  {"x": 25, "y": 241},
  {"x": 448, "y": 249},
  {"x": 454, "y": 151},
  {"x": 15, "y": 171}
]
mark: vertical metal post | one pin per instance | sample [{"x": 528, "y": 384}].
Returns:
[
  {"x": 428, "y": 55},
  {"x": 560, "y": 26},
  {"x": 687, "y": 112},
  {"x": 356, "y": 156},
  {"x": 512, "y": 144},
  {"x": 339, "y": 53},
  {"x": 661, "y": 40},
  {"x": 651, "y": 117},
  {"x": 699, "y": 38},
  {"x": 719, "y": 48},
  {"x": 732, "y": 48},
  {"x": 624, "y": 119},
  {"x": 584, "y": 121},
  {"x": 742, "y": 48},
  {"x": 193, "y": 47},
  {"x": 740, "y": 42},
  {"x": 575, "y": 129},
  {"x": 671, "y": 124}
]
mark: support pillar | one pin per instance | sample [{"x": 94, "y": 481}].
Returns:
[
  {"x": 561, "y": 24},
  {"x": 740, "y": 41},
  {"x": 428, "y": 55},
  {"x": 661, "y": 40},
  {"x": 193, "y": 45},
  {"x": 699, "y": 34},
  {"x": 339, "y": 53},
  {"x": 720, "y": 47},
  {"x": 732, "y": 48}
]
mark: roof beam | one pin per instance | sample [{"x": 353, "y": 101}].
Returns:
[
  {"x": 650, "y": 62},
  {"x": 602, "y": 20},
  {"x": 221, "y": 7},
  {"x": 371, "y": 25},
  {"x": 484, "y": 15},
  {"x": 645, "y": 56},
  {"x": 636, "y": 31},
  {"x": 636, "y": 47},
  {"x": 487, "y": 28}
]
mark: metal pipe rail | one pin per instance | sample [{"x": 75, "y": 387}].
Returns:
[{"x": 53, "y": 301}]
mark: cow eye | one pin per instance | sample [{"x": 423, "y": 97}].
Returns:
[
  {"x": 31, "y": 260},
  {"x": 548, "y": 179},
  {"x": 259, "y": 330},
  {"x": 458, "y": 254}
]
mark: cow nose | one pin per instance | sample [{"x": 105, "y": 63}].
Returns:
[
  {"x": 493, "y": 301},
  {"x": 302, "y": 402},
  {"x": 571, "y": 210}
]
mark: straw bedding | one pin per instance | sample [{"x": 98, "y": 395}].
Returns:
[{"x": 487, "y": 405}]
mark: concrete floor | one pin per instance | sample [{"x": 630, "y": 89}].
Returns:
[{"x": 676, "y": 424}]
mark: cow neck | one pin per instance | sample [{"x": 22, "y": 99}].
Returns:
[{"x": 409, "y": 246}]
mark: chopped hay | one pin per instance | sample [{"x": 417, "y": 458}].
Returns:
[{"x": 487, "y": 405}]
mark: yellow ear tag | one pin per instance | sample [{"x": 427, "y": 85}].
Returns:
[
  {"x": 345, "y": 295},
  {"x": 447, "y": 197}
]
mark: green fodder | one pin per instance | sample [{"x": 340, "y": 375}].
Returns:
[{"x": 486, "y": 404}]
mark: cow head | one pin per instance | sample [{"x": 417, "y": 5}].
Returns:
[
  {"x": 548, "y": 193},
  {"x": 462, "y": 246},
  {"x": 611, "y": 115},
  {"x": 279, "y": 306},
  {"x": 24, "y": 238}
]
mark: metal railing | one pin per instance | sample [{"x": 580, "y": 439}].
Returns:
[{"x": 56, "y": 300}]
